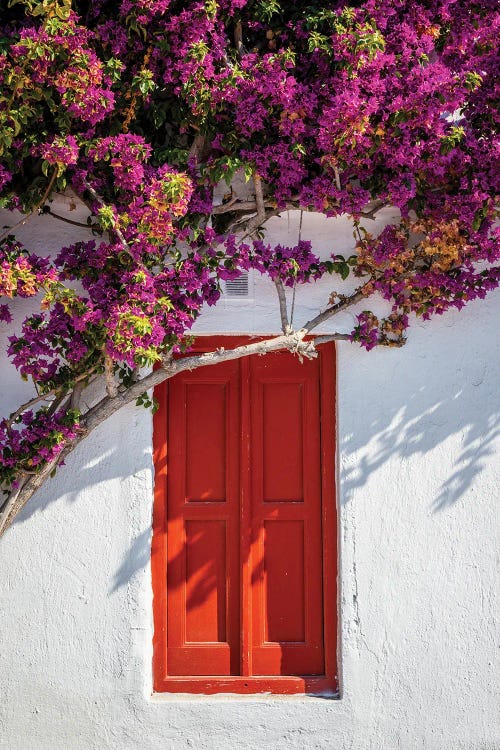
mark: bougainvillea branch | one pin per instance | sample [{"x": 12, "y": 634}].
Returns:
[{"x": 142, "y": 110}]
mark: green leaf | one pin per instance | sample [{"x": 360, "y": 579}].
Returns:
[{"x": 248, "y": 170}]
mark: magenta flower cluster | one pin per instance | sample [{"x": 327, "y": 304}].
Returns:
[
  {"x": 291, "y": 265},
  {"x": 61, "y": 150},
  {"x": 35, "y": 438}
]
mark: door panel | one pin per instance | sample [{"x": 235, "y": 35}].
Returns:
[
  {"x": 206, "y": 440},
  {"x": 286, "y": 549},
  {"x": 206, "y": 581},
  {"x": 283, "y": 471},
  {"x": 284, "y": 581},
  {"x": 203, "y": 622}
]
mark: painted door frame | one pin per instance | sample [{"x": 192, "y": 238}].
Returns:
[{"x": 326, "y": 684}]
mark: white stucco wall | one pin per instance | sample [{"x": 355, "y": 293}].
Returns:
[{"x": 419, "y": 561}]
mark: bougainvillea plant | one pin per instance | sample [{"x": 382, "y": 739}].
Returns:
[{"x": 141, "y": 108}]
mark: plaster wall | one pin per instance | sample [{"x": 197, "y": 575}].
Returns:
[{"x": 419, "y": 561}]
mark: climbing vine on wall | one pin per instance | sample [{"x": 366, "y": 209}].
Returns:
[{"x": 141, "y": 108}]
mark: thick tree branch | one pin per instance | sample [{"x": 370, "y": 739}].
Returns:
[
  {"x": 111, "y": 388},
  {"x": 248, "y": 206},
  {"x": 337, "y": 179},
  {"x": 57, "y": 402},
  {"x": 40, "y": 203},
  {"x": 256, "y": 222},
  {"x": 238, "y": 206},
  {"x": 295, "y": 342},
  {"x": 9, "y": 510},
  {"x": 93, "y": 227},
  {"x": 116, "y": 229},
  {"x": 328, "y": 338},
  {"x": 372, "y": 213},
  {"x": 238, "y": 39},
  {"x": 197, "y": 147},
  {"x": 28, "y": 405},
  {"x": 79, "y": 384},
  {"x": 76, "y": 395},
  {"x": 343, "y": 304},
  {"x": 259, "y": 197},
  {"x": 28, "y": 485},
  {"x": 249, "y": 224},
  {"x": 285, "y": 324}
]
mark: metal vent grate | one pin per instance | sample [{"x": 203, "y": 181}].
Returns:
[{"x": 237, "y": 288}]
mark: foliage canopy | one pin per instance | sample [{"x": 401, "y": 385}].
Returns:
[{"x": 142, "y": 107}]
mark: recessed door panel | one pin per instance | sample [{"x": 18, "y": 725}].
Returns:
[
  {"x": 206, "y": 582},
  {"x": 206, "y": 440},
  {"x": 286, "y": 549},
  {"x": 284, "y": 584},
  {"x": 203, "y": 556},
  {"x": 282, "y": 434}
]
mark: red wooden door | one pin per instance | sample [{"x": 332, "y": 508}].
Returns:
[
  {"x": 203, "y": 522},
  {"x": 241, "y": 523},
  {"x": 286, "y": 548}
]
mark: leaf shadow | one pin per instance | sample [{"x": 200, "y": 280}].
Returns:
[
  {"x": 439, "y": 400},
  {"x": 450, "y": 407}
]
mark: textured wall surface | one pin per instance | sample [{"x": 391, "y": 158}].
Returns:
[{"x": 419, "y": 561}]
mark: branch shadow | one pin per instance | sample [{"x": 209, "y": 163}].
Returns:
[
  {"x": 478, "y": 446},
  {"x": 137, "y": 559},
  {"x": 455, "y": 411},
  {"x": 454, "y": 408}
]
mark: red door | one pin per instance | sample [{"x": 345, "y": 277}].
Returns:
[
  {"x": 286, "y": 549},
  {"x": 244, "y": 509},
  {"x": 203, "y": 488}
]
